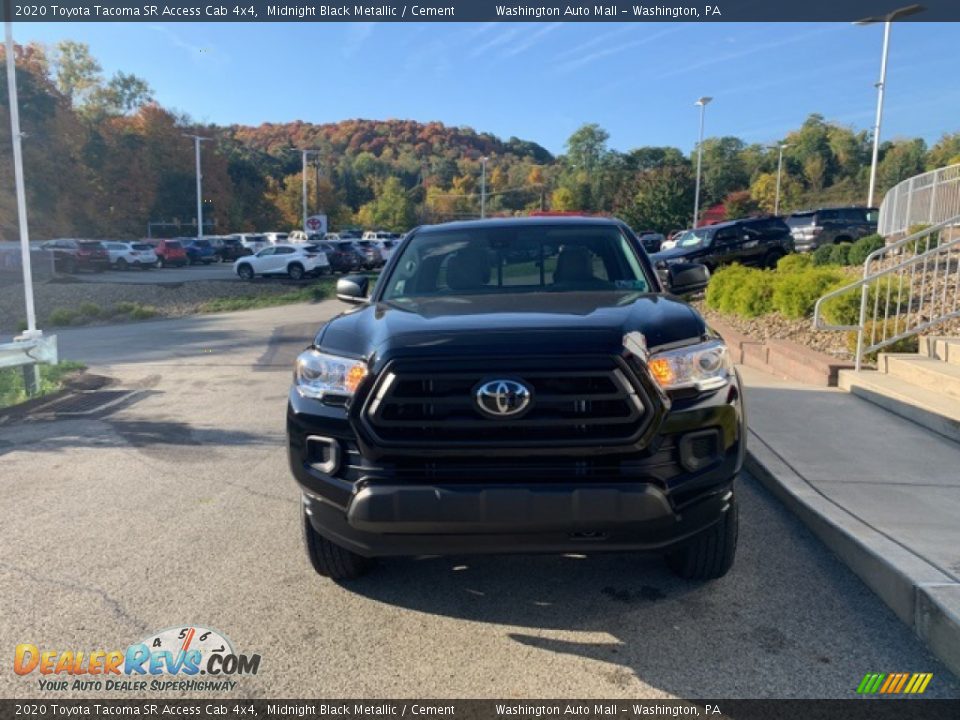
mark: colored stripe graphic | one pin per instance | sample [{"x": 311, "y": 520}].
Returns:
[{"x": 894, "y": 683}]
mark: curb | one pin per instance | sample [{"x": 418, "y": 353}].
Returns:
[
  {"x": 925, "y": 598},
  {"x": 782, "y": 358}
]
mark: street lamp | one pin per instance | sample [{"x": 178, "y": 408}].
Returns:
[
  {"x": 17, "y": 136},
  {"x": 780, "y": 146},
  {"x": 483, "y": 187},
  {"x": 306, "y": 153},
  {"x": 887, "y": 21},
  {"x": 702, "y": 102},
  {"x": 197, "y": 139}
]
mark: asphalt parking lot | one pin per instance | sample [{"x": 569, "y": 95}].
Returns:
[{"x": 175, "y": 506}]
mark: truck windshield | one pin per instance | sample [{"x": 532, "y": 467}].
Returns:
[{"x": 489, "y": 260}]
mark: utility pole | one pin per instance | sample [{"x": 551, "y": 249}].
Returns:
[
  {"x": 197, "y": 139},
  {"x": 483, "y": 187},
  {"x": 305, "y": 154},
  {"x": 702, "y": 102},
  {"x": 780, "y": 147},
  {"x": 887, "y": 21},
  {"x": 31, "y": 373}
]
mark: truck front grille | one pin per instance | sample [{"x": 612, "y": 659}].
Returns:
[{"x": 574, "y": 401}]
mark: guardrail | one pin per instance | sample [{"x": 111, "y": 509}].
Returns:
[
  {"x": 907, "y": 287},
  {"x": 926, "y": 199},
  {"x": 28, "y": 352}
]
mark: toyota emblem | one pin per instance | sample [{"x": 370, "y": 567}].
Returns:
[{"x": 503, "y": 398}]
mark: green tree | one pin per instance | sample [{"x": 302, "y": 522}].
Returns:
[
  {"x": 901, "y": 160},
  {"x": 587, "y": 146},
  {"x": 723, "y": 168},
  {"x": 946, "y": 151},
  {"x": 76, "y": 72},
  {"x": 123, "y": 94},
  {"x": 663, "y": 199},
  {"x": 391, "y": 210}
]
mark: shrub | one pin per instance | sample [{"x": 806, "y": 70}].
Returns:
[
  {"x": 795, "y": 294},
  {"x": 923, "y": 244},
  {"x": 794, "y": 263},
  {"x": 722, "y": 284},
  {"x": 135, "y": 310},
  {"x": 905, "y": 345},
  {"x": 863, "y": 247},
  {"x": 822, "y": 255},
  {"x": 62, "y": 316},
  {"x": 845, "y": 309},
  {"x": 91, "y": 310},
  {"x": 753, "y": 296},
  {"x": 840, "y": 254},
  {"x": 143, "y": 312},
  {"x": 21, "y": 325}
]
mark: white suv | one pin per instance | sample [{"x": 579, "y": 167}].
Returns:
[
  {"x": 124, "y": 255},
  {"x": 294, "y": 261}
]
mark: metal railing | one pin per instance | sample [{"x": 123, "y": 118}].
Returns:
[
  {"x": 907, "y": 287},
  {"x": 27, "y": 352},
  {"x": 926, "y": 199}
]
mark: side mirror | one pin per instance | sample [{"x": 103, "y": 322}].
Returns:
[
  {"x": 683, "y": 278},
  {"x": 353, "y": 289}
]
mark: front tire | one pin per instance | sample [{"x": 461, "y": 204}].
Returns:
[
  {"x": 245, "y": 272},
  {"x": 772, "y": 258},
  {"x": 710, "y": 554},
  {"x": 329, "y": 559},
  {"x": 121, "y": 264}
]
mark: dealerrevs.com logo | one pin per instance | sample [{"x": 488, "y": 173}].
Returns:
[{"x": 172, "y": 659}]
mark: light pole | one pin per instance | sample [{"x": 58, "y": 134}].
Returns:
[
  {"x": 887, "y": 21},
  {"x": 483, "y": 187},
  {"x": 17, "y": 138},
  {"x": 197, "y": 139},
  {"x": 305, "y": 153},
  {"x": 776, "y": 202},
  {"x": 702, "y": 102}
]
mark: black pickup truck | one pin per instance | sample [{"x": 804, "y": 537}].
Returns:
[{"x": 518, "y": 385}]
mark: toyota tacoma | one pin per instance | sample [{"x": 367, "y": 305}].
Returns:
[{"x": 518, "y": 385}]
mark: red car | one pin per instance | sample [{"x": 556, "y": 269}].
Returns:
[{"x": 170, "y": 253}]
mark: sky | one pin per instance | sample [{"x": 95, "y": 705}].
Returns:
[{"x": 541, "y": 81}]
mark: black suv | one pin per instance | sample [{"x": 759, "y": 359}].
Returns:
[
  {"x": 760, "y": 242},
  {"x": 518, "y": 385},
  {"x": 827, "y": 226}
]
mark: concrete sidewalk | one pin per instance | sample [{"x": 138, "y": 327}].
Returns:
[{"x": 880, "y": 491}]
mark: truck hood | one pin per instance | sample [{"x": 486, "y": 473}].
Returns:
[{"x": 503, "y": 324}]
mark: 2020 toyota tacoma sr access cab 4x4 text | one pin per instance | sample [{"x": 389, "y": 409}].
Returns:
[{"x": 518, "y": 385}]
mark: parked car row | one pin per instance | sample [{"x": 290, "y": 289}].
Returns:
[{"x": 760, "y": 241}]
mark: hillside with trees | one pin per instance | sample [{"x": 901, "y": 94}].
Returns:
[{"x": 103, "y": 159}]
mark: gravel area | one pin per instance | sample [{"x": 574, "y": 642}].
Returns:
[
  {"x": 776, "y": 327},
  {"x": 168, "y": 300}
]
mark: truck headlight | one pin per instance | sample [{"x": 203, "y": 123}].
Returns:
[
  {"x": 317, "y": 374},
  {"x": 705, "y": 366}
]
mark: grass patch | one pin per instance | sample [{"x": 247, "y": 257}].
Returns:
[
  {"x": 313, "y": 293},
  {"x": 12, "y": 390}
]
